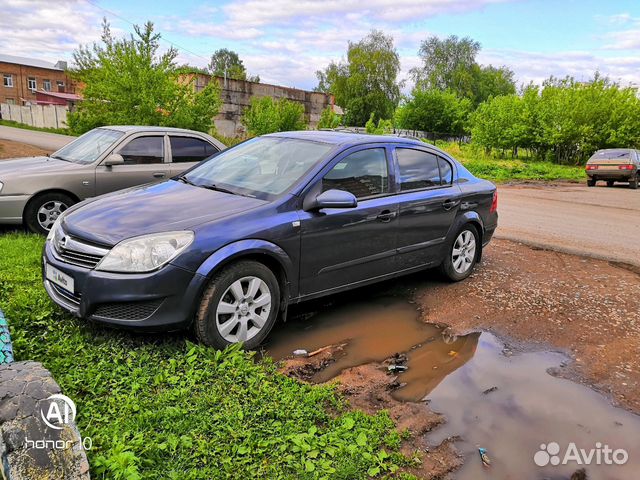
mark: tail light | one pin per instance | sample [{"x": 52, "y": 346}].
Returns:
[
  {"x": 494, "y": 203},
  {"x": 625, "y": 167},
  {"x": 592, "y": 167}
]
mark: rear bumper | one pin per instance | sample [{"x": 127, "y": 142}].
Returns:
[
  {"x": 162, "y": 300},
  {"x": 12, "y": 208},
  {"x": 621, "y": 175}
]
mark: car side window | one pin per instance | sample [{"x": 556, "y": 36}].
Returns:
[
  {"x": 418, "y": 169},
  {"x": 363, "y": 173},
  {"x": 189, "y": 149},
  {"x": 446, "y": 172},
  {"x": 143, "y": 150}
]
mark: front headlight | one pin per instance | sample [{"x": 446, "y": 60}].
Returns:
[{"x": 145, "y": 253}]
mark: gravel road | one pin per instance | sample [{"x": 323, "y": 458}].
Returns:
[
  {"x": 599, "y": 222},
  {"x": 45, "y": 140}
]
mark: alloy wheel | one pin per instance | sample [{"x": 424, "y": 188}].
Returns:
[
  {"x": 49, "y": 213},
  {"x": 243, "y": 309},
  {"x": 464, "y": 252}
]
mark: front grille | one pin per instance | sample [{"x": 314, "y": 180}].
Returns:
[
  {"x": 79, "y": 259},
  {"x": 65, "y": 295},
  {"x": 76, "y": 252},
  {"x": 127, "y": 310}
]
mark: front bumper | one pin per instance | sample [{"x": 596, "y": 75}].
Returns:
[
  {"x": 12, "y": 208},
  {"x": 162, "y": 300}
]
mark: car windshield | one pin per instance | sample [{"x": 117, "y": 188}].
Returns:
[
  {"x": 606, "y": 154},
  {"x": 262, "y": 167},
  {"x": 87, "y": 148}
]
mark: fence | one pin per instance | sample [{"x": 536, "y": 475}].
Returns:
[{"x": 42, "y": 116}]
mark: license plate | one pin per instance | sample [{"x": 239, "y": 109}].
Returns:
[{"x": 61, "y": 279}]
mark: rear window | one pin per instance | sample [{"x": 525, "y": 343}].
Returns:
[{"x": 611, "y": 154}]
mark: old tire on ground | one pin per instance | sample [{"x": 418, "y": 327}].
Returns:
[
  {"x": 610, "y": 183},
  {"x": 591, "y": 182},
  {"x": 240, "y": 304},
  {"x": 633, "y": 183},
  {"x": 42, "y": 211},
  {"x": 462, "y": 254}
]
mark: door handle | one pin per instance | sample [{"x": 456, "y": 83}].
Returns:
[
  {"x": 449, "y": 204},
  {"x": 159, "y": 174},
  {"x": 386, "y": 216}
]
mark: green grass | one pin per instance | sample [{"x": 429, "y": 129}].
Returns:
[
  {"x": 161, "y": 407},
  {"x": 499, "y": 169},
  {"x": 10, "y": 123}
]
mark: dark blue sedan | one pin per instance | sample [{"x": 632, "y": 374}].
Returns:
[{"x": 273, "y": 221}]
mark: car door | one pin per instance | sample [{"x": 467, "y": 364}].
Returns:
[
  {"x": 187, "y": 151},
  {"x": 345, "y": 246},
  {"x": 428, "y": 204},
  {"x": 144, "y": 162}
]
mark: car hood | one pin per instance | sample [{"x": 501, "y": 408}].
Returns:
[
  {"x": 159, "y": 207},
  {"x": 30, "y": 165}
]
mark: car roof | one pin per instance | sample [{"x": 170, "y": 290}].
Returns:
[
  {"x": 146, "y": 128},
  {"x": 346, "y": 138}
]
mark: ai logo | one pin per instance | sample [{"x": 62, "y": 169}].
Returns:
[{"x": 60, "y": 411}]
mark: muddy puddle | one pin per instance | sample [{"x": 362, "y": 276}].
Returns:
[{"x": 509, "y": 404}]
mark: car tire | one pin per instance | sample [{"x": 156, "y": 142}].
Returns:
[
  {"x": 228, "y": 310},
  {"x": 43, "y": 210},
  {"x": 633, "y": 183},
  {"x": 591, "y": 182},
  {"x": 459, "y": 264},
  {"x": 610, "y": 183}
]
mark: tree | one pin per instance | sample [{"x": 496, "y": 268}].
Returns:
[
  {"x": 435, "y": 111},
  {"x": 266, "y": 115},
  {"x": 226, "y": 63},
  {"x": 128, "y": 82},
  {"x": 450, "y": 64},
  {"x": 565, "y": 121},
  {"x": 367, "y": 82}
]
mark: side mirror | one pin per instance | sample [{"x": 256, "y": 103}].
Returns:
[
  {"x": 113, "y": 159},
  {"x": 335, "y": 199}
]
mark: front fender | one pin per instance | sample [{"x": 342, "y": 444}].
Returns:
[{"x": 249, "y": 247}]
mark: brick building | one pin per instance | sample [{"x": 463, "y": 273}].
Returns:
[{"x": 22, "y": 77}]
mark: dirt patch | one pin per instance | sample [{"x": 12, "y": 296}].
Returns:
[
  {"x": 588, "y": 308},
  {"x": 10, "y": 149}
]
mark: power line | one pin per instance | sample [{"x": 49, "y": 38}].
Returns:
[{"x": 133, "y": 24}]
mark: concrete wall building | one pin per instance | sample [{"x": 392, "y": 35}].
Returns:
[
  {"x": 22, "y": 77},
  {"x": 237, "y": 94}
]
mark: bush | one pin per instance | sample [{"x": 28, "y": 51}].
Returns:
[
  {"x": 383, "y": 127},
  {"x": 329, "y": 119},
  {"x": 266, "y": 115}
]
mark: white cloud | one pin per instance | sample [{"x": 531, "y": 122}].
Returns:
[
  {"x": 536, "y": 67},
  {"x": 45, "y": 29},
  {"x": 260, "y": 13}
]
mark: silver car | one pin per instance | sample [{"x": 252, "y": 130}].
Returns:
[{"x": 35, "y": 191}]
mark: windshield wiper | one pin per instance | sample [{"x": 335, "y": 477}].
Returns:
[
  {"x": 58, "y": 157},
  {"x": 184, "y": 179},
  {"x": 213, "y": 186}
]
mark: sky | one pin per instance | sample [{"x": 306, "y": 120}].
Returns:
[{"x": 286, "y": 41}]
